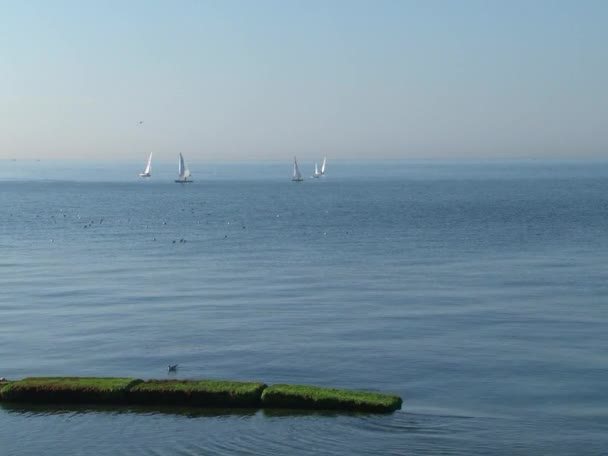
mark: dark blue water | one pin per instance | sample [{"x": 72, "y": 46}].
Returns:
[{"x": 478, "y": 292}]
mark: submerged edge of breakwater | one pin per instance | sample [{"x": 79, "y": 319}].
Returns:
[{"x": 192, "y": 393}]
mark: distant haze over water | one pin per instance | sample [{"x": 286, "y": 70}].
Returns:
[{"x": 164, "y": 170}]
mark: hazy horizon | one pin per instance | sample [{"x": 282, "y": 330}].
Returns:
[{"x": 243, "y": 81}]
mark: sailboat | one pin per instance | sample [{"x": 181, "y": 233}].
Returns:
[
  {"x": 184, "y": 172},
  {"x": 323, "y": 166},
  {"x": 148, "y": 169},
  {"x": 297, "y": 175},
  {"x": 317, "y": 174}
]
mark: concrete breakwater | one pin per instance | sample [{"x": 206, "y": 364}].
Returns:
[{"x": 192, "y": 393}]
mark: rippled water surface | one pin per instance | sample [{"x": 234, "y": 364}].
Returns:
[{"x": 477, "y": 292}]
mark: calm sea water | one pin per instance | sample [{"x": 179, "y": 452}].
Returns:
[{"x": 476, "y": 291}]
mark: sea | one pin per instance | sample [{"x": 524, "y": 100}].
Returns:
[{"x": 475, "y": 290}]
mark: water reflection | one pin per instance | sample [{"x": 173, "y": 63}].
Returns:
[
  {"x": 278, "y": 413},
  {"x": 71, "y": 409},
  {"x": 190, "y": 412}
]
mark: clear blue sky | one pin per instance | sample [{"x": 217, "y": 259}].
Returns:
[{"x": 239, "y": 80}]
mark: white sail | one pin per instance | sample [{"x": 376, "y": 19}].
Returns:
[
  {"x": 181, "y": 166},
  {"x": 323, "y": 165},
  {"x": 147, "y": 171},
  {"x": 184, "y": 172},
  {"x": 148, "y": 165},
  {"x": 297, "y": 175},
  {"x": 317, "y": 174}
]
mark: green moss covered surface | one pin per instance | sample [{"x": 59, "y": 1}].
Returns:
[
  {"x": 192, "y": 393},
  {"x": 313, "y": 397},
  {"x": 92, "y": 390},
  {"x": 206, "y": 393}
]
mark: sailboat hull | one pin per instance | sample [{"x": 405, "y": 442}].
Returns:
[
  {"x": 177, "y": 181},
  {"x": 145, "y": 175}
]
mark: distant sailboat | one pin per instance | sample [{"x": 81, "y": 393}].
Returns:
[
  {"x": 184, "y": 172},
  {"x": 297, "y": 175},
  {"x": 317, "y": 174},
  {"x": 148, "y": 169}
]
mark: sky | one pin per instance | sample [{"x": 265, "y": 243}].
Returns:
[{"x": 266, "y": 80}]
